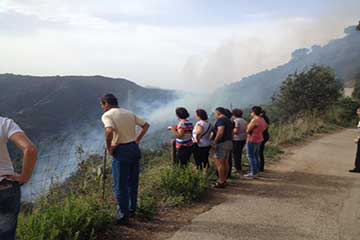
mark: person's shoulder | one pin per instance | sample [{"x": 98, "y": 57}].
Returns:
[
  {"x": 202, "y": 123},
  {"x": 5, "y": 120}
]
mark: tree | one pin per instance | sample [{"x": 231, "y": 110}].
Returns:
[
  {"x": 312, "y": 90},
  {"x": 356, "y": 92}
]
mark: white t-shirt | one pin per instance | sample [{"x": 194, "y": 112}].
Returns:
[
  {"x": 205, "y": 139},
  {"x": 7, "y": 128}
]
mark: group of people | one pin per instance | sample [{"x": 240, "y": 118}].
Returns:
[{"x": 227, "y": 138}]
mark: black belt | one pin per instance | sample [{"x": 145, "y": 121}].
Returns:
[
  {"x": 6, "y": 184},
  {"x": 123, "y": 144}
]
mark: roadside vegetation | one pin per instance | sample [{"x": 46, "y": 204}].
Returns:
[{"x": 308, "y": 103}]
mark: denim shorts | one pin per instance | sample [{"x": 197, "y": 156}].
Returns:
[
  {"x": 223, "y": 150},
  {"x": 9, "y": 209}
]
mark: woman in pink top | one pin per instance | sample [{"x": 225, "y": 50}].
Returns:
[{"x": 255, "y": 137}]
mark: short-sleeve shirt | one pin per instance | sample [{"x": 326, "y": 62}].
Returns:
[
  {"x": 124, "y": 124},
  {"x": 186, "y": 140},
  {"x": 257, "y": 134},
  {"x": 228, "y": 128},
  {"x": 241, "y": 124},
  {"x": 205, "y": 135},
  {"x": 7, "y": 128}
]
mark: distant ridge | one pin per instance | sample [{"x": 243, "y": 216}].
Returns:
[{"x": 343, "y": 55}]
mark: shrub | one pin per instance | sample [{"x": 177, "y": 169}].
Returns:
[
  {"x": 149, "y": 202},
  {"x": 343, "y": 112},
  {"x": 308, "y": 91},
  {"x": 77, "y": 217},
  {"x": 298, "y": 128},
  {"x": 356, "y": 92},
  {"x": 182, "y": 184}
]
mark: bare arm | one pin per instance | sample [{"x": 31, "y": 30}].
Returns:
[
  {"x": 179, "y": 133},
  {"x": 109, "y": 134},
  {"x": 199, "y": 130},
  {"x": 252, "y": 125},
  {"x": 236, "y": 130},
  {"x": 220, "y": 134},
  {"x": 144, "y": 130},
  {"x": 30, "y": 154}
]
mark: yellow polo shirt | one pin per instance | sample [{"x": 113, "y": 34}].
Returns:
[{"x": 124, "y": 124}]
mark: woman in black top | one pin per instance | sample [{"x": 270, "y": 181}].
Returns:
[{"x": 222, "y": 145}]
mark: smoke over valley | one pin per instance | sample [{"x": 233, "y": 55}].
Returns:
[{"x": 198, "y": 55}]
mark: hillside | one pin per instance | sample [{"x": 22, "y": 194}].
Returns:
[
  {"x": 62, "y": 115},
  {"x": 343, "y": 55},
  {"x": 46, "y": 105}
]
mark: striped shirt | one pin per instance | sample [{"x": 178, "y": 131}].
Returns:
[{"x": 186, "y": 139}]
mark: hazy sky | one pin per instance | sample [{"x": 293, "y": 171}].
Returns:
[{"x": 169, "y": 44}]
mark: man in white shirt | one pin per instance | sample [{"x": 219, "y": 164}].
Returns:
[
  {"x": 122, "y": 143},
  {"x": 10, "y": 181}
]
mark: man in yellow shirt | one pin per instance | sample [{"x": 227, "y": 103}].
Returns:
[{"x": 122, "y": 143}]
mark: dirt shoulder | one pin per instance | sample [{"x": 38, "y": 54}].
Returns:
[{"x": 309, "y": 194}]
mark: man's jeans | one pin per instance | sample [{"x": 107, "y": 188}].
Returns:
[
  {"x": 9, "y": 209},
  {"x": 125, "y": 169},
  {"x": 253, "y": 156}
]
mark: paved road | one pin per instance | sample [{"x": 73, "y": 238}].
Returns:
[{"x": 308, "y": 195}]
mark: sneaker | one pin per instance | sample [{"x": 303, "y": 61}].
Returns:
[
  {"x": 354, "y": 170},
  {"x": 250, "y": 175}
]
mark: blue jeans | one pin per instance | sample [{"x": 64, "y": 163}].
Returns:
[
  {"x": 9, "y": 209},
  {"x": 253, "y": 156},
  {"x": 125, "y": 170}
]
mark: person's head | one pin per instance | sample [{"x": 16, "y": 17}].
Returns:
[
  {"x": 228, "y": 113},
  {"x": 108, "y": 101},
  {"x": 220, "y": 112},
  {"x": 201, "y": 114},
  {"x": 256, "y": 111},
  {"x": 237, "y": 113},
  {"x": 182, "y": 113},
  {"x": 358, "y": 112}
]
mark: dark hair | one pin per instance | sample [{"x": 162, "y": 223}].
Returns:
[
  {"x": 202, "y": 114},
  {"x": 221, "y": 110},
  {"x": 109, "y": 99},
  {"x": 257, "y": 110},
  {"x": 228, "y": 113},
  {"x": 237, "y": 112},
  {"x": 182, "y": 113}
]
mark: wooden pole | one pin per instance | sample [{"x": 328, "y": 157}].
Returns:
[
  {"x": 173, "y": 152},
  {"x": 104, "y": 175}
]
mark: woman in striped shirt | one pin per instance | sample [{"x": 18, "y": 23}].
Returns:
[{"x": 183, "y": 134}]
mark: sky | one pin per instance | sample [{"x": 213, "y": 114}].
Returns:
[{"x": 176, "y": 44}]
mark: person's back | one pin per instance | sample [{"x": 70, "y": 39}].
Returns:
[
  {"x": 241, "y": 124},
  {"x": 228, "y": 127},
  {"x": 205, "y": 136},
  {"x": 124, "y": 123},
  {"x": 9, "y": 180},
  {"x": 7, "y": 129},
  {"x": 186, "y": 139},
  {"x": 256, "y": 135}
]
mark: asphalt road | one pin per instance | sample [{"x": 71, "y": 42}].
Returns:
[{"x": 309, "y": 194}]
